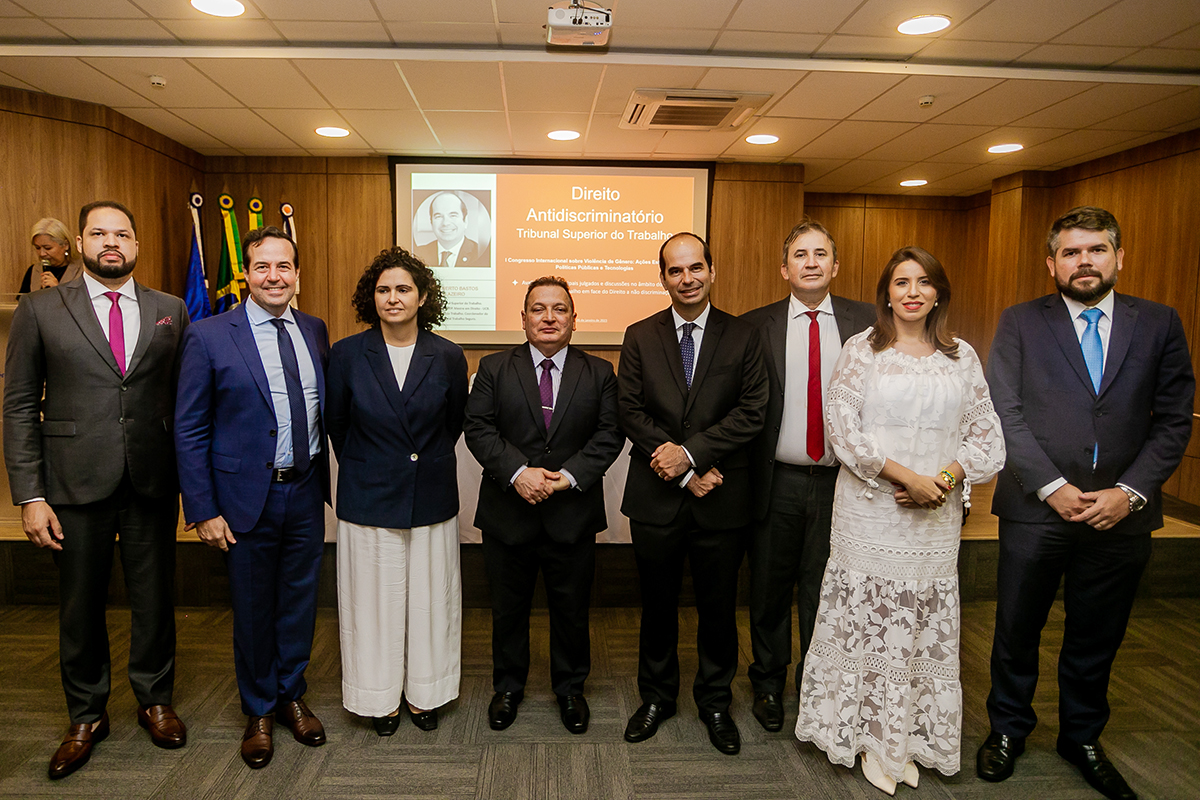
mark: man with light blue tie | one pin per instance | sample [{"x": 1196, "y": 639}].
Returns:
[
  {"x": 255, "y": 480},
  {"x": 1094, "y": 390}
]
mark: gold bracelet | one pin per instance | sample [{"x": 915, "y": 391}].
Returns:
[{"x": 949, "y": 478}]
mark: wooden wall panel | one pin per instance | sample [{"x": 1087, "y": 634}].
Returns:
[
  {"x": 360, "y": 225},
  {"x": 844, "y": 216}
]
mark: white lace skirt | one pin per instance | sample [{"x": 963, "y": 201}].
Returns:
[{"x": 881, "y": 675}]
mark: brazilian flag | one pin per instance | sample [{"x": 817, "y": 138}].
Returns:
[{"x": 229, "y": 289}]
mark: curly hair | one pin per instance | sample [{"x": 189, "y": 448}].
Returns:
[{"x": 433, "y": 308}]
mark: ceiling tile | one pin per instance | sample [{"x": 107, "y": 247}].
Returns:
[
  {"x": 1162, "y": 59},
  {"x": 1189, "y": 39},
  {"x": 935, "y": 174},
  {"x": 70, "y": 77},
  {"x": 950, "y": 51},
  {"x": 784, "y": 15},
  {"x": 456, "y": 33},
  {"x": 860, "y": 173},
  {"x": 471, "y": 131},
  {"x": 899, "y": 104},
  {"x": 210, "y": 30},
  {"x": 186, "y": 87},
  {"x": 565, "y": 87},
  {"x": 1128, "y": 144},
  {"x": 262, "y": 82},
  {"x": 173, "y": 127},
  {"x": 833, "y": 95},
  {"x": 518, "y": 34},
  {"x": 814, "y": 168},
  {"x": 979, "y": 178},
  {"x": 880, "y": 17},
  {"x": 356, "y": 33},
  {"x": 116, "y": 31},
  {"x": 620, "y": 81},
  {"x": 30, "y": 31},
  {"x": 852, "y": 139},
  {"x": 16, "y": 83},
  {"x": 237, "y": 127},
  {"x": 10, "y": 9},
  {"x": 97, "y": 9},
  {"x": 1071, "y": 145},
  {"x": 441, "y": 11},
  {"x": 454, "y": 85},
  {"x": 604, "y": 137},
  {"x": 975, "y": 150},
  {"x": 1095, "y": 105},
  {"x": 652, "y": 40},
  {"x": 793, "y": 134},
  {"x": 702, "y": 144},
  {"x": 1073, "y": 55},
  {"x": 358, "y": 84},
  {"x": 1134, "y": 22},
  {"x": 393, "y": 131},
  {"x": 770, "y": 81},
  {"x": 887, "y": 47},
  {"x": 282, "y": 152},
  {"x": 1010, "y": 100},
  {"x": 796, "y": 45},
  {"x": 175, "y": 9},
  {"x": 529, "y": 132},
  {"x": 1162, "y": 115},
  {"x": 1023, "y": 20},
  {"x": 300, "y": 125},
  {"x": 926, "y": 141},
  {"x": 341, "y": 11},
  {"x": 666, "y": 15}
]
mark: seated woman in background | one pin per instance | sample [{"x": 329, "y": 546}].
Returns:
[
  {"x": 57, "y": 261},
  {"x": 908, "y": 405},
  {"x": 396, "y": 397}
]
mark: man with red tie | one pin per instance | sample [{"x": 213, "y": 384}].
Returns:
[{"x": 794, "y": 470}]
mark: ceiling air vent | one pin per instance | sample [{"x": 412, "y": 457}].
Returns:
[{"x": 690, "y": 109}]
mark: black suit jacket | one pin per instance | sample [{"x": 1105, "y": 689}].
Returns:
[
  {"x": 716, "y": 419},
  {"x": 505, "y": 429},
  {"x": 1141, "y": 417},
  {"x": 852, "y": 316},
  {"x": 395, "y": 447},
  {"x": 97, "y": 423},
  {"x": 469, "y": 255}
]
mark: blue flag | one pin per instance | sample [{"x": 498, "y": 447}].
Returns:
[{"x": 195, "y": 293}]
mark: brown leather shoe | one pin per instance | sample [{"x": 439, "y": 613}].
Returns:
[
  {"x": 305, "y": 726},
  {"x": 166, "y": 728},
  {"x": 257, "y": 747},
  {"x": 76, "y": 747}
]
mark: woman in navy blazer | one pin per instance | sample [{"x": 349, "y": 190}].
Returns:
[{"x": 396, "y": 396}]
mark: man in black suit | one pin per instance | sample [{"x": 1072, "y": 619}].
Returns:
[
  {"x": 1094, "y": 390},
  {"x": 93, "y": 460},
  {"x": 542, "y": 420},
  {"x": 794, "y": 470},
  {"x": 451, "y": 246},
  {"x": 692, "y": 388}
]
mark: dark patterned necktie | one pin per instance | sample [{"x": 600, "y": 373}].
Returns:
[
  {"x": 687, "y": 349},
  {"x": 295, "y": 392},
  {"x": 546, "y": 387}
]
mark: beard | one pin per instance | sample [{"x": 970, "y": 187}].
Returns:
[
  {"x": 110, "y": 271},
  {"x": 1085, "y": 296}
]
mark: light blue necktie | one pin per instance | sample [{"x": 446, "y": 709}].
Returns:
[
  {"x": 687, "y": 350},
  {"x": 1093, "y": 356}
]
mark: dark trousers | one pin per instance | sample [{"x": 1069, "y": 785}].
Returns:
[
  {"x": 715, "y": 556},
  {"x": 790, "y": 546},
  {"x": 146, "y": 526},
  {"x": 1101, "y": 572},
  {"x": 567, "y": 571},
  {"x": 273, "y": 572}
]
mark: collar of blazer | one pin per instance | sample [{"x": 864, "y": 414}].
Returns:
[
  {"x": 713, "y": 331},
  {"x": 240, "y": 330},
  {"x": 376, "y": 352},
  {"x": 776, "y": 329},
  {"x": 1062, "y": 328},
  {"x": 527, "y": 375},
  {"x": 79, "y": 304}
]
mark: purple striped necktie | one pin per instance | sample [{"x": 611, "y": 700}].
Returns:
[{"x": 546, "y": 388}]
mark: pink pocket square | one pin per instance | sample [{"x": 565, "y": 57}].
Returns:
[{"x": 164, "y": 321}]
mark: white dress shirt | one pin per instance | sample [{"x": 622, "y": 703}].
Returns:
[
  {"x": 701, "y": 322},
  {"x": 267, "y": 339},
  {"x": 559, "y": 359},
  {"x": 131, "y": 318},
  {"x": 793, "y": 428},
  {"x": 452, "y": 257}
]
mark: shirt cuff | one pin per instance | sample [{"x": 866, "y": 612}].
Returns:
[
  {"x": 1051, "y": 488},
  {"x": 687, "y": 476},
  {"x": 1135, "y": 491},
  {"x": 516, "y": 474},
  {"x": 566, "y": 474},
  {"x": 32, "y": 500}
]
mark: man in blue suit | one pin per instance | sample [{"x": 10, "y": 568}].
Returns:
[
  {"x": 1094, "y": 390},
  {"x": 254, "y": 478}
]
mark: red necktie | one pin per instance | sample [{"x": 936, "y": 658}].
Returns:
[
  {"x": 816, "y": 421},
  {"x": 116, "y": 330}
]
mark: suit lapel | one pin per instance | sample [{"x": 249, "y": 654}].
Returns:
[
  {"x": 1120, "y": 335},
  {"x": 1058, "y": 319},
  {"x": 708, "y": 346},
  {"x": 670, "y": 344},
  {"x": 148, "y": 310},
  {"x": 776, "y": 327},
  {"x": 75, "y": 297},
  {"x": 418, "y": 368},
  {"x": 309, "y": 332},
  {"x": 842, "y": 316},
  {"x": 243, "y": 339},
  {"x": 572, "y": 368},
  {"x": 381, "y": 366},
  {"x": 527, "y": 376}
]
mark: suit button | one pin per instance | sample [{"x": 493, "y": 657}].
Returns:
[
  {"x": 413, "y": 457},
  {"x": 687, "y": 424},
  {"x": 1099, "y": 413},
  {"x": 270, "y": 464},
  {"x": 121, "y": 420},
  {"x": 547, "y": 450},
  {"x": 124, "y": 388}
]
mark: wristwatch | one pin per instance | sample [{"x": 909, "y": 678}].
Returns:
[{"x": 1136, "y": 501}]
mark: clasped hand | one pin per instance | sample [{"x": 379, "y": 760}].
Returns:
[
  {"x": 1101, "y": 510},
  {"x": 535, "y": 484},
  {"x": 922, "y": 491},
  {"x": 669, "y": 461}
]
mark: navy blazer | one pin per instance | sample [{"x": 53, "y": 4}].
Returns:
[
  {"x": 395, "y": 447},
  {"x": 1052, "y": 416},
  {"x": 225, "y": 422}
]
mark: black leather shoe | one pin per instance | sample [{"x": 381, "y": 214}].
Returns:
[
  {"x": 574, "y": 712},
  {"x": 1096, "y": 768},
  {"x": 722, "y": 731},
  {"x": 645, "y": 721},
  {"x": 998, "y": 755},
  {"x": 503, "y": 709},
  {"x": 386, "y": 726},
  {"x": 425, "y": 720},
  {"x": 768, "y": 710}
]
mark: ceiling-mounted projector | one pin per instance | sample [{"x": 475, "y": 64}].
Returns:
[{"x": 574, "y": 25}]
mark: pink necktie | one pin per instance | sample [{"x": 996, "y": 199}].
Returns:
[{"x": 116, "y": 330}]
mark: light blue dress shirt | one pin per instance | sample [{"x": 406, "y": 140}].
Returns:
[{"x": 267, "y": 339}]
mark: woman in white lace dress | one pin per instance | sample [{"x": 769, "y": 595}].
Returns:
[{"x": 911, "y": 420}]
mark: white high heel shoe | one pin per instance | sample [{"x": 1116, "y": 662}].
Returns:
[
  {"x": 911, "y": 775},
  {"x": 873, "y": 772}
]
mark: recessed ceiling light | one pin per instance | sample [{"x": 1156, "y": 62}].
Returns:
[
  {"x": 332, "y": 132},
  {"x": 562, "y": 136},
  {"x": 219, "y": 8},
  {"x": 917, "y": 182},
  {"x": 1006, "y": 148},
  {"x": 926, "y": 23},
  {"x": 762, "y": 138}
]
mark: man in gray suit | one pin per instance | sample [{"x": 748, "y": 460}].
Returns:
[
  {"x": 794, "y": 470},
  {"x": 94, "y": 459}
]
